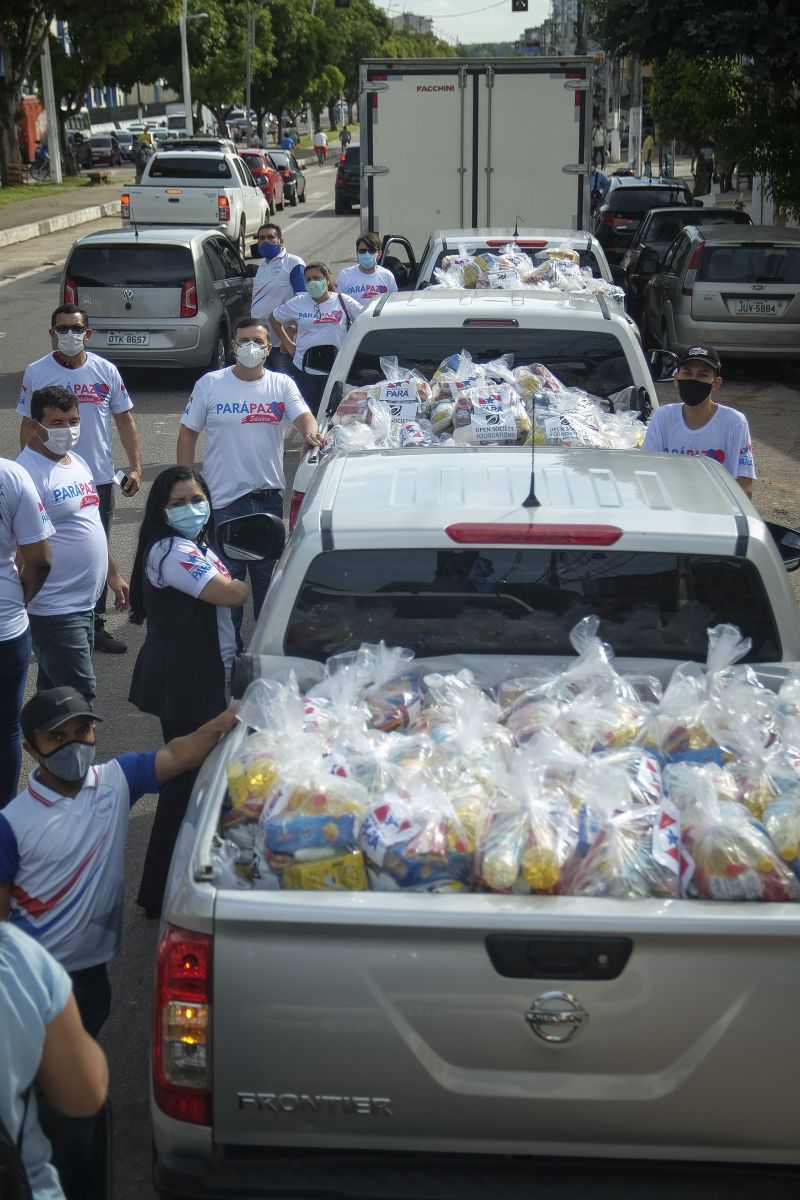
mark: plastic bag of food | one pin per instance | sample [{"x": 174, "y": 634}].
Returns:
[
  {"x": 782, "y": 823},
  {"x": 453, "y": 376},
  {"x": 502, "y": 834},
  {"x": 678, "y": 729},
  {"x": 635, "y": 855},
  {"x": 345, "y": 439},
  {"x": 732, "y": 857},
  {"x": 381, "y": 678},
  {"x": 310, "y": 810},
  {"x": 417, "y": 841}
]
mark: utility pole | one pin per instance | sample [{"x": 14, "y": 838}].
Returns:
[
  {"x": 635, "y": 122},
  {"x": 187, "y": 86},
  {"x": 53, "y": 138}
]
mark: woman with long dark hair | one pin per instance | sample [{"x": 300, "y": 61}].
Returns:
[{"x": 184, "y": 592}]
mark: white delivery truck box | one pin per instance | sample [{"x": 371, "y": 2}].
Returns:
[{"x": 467, "y": 142}]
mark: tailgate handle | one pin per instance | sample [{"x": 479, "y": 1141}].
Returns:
[{"x": 520, "y": 956}]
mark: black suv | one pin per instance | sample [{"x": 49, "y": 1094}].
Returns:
[
  {"x": 624, "y": 203},
  {"x": 348, "y": 180}
]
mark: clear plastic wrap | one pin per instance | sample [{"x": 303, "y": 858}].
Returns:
[{"x": 629, "y": 859}]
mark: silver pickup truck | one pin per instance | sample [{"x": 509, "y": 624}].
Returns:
[{"x": 362, "y": 1043}]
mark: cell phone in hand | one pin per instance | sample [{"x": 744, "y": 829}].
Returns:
[{"x": 121, "y": 478}]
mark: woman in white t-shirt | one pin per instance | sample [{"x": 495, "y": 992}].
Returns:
[
  {"x": 185, "y": 593},
  {"x": 323, "y": 318}
]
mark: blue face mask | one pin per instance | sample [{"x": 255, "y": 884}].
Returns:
[
  {"x": 188, "y": 519},
  {"x": 367, "y": 259},
  {"x": 269, "y": 250}
]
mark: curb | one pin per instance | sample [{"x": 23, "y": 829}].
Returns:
[{"x": 24, "y": 233}]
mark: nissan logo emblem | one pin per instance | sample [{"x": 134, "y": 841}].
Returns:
[
  {"x": 556, "y": 1017},
  {"x": 127, "y": 294}
]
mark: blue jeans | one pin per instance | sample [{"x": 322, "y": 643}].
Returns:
[
  {"x": 260, "y": 572},
  {"x": 279, "y": 360},
  {"x": 15, "y": 654},
  {"x": 63, "y": 645},
  {"x": 311, "y": 387}
]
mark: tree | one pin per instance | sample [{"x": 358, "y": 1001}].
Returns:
[
  {"x": 694, "y": 99},
  {"x": 23, "y": 29},
  {"x": 324, "y": 91},
  {"x": 762, "y": 37}
]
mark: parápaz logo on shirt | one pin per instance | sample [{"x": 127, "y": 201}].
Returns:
[
  {"x": 252, "y": 412},
  {"x": 718, "y": 455},
  {"x": 194, "y": 562},
  {"x": 367, "y": 290},
  {"x": 331, "y": 318},
  {"x": 90, "y": 393},
  {"x": 85, "y": 492}
]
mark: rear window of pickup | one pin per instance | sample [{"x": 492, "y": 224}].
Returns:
[
  {"x": 526, "y": 602},
  {"x": 166, "y": 166},
  {"x": 593, "y": 361}
]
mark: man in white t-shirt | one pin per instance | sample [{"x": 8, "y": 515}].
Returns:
[
  {"x": 242, "y": 410},
  {"x": 24, "y": 531},
  {"x": 366, "y": 280},
  {"x": 97, "y": 385},
  {"x": 321, "y": 145},
  {"x": 61, "y": 615},
  {"x": 699, "y": 425},
  {"x": 278, "y": 278}
]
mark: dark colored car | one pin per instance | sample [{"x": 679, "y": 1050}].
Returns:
[
  {"x": 348, "y": 179},
  {"x": 268, "y": 177},
  {"x": 294, "y": 180},
  {"x": 79, "y": 145},
  {"x": 125, "y": 139},
  {"x": 624, "y": 202},
  {"x": 657, "y": 232},
  {"x": 105, "y": 150}
]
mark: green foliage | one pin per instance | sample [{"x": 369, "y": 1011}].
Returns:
[
  {"x": 324, "y": 90},
  {"x": 406, "y": 43},
  {"x": 486, "y": 49},
  {"x": 761, "y": 124},
  {"x": 695, "y": 98}
]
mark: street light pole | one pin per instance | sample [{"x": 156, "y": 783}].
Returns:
[
  {"x": 251, "y": 21},
  {"x": 187, "y": 87}
]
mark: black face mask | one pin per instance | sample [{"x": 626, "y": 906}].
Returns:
[{"x": 693, "y": 391}]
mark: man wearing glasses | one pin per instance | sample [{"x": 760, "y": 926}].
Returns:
[{"x": 98, "y": 388}]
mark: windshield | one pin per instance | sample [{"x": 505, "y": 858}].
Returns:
[
  {"x": 590, "y": 360},
  {"x": 750, "y": 264},
  {"x": 526, "y": 601},
  {"x": 636, "y": 200},
  {"x": 665, "y": 227},
  {"x": 169, "y": 166}
]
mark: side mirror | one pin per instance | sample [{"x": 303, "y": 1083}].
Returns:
[
  {"x": 252, "y": 538},
  {"x": 649, "y": 262},
  {"x": 662, "y": 364},
  {"x": 788, "y": 543}
]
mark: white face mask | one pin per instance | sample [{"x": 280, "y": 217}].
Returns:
[
  {"x": 70, "y": 343},
  {"x": 251, "y": 354},
  {"x": 60, "y": 441}
]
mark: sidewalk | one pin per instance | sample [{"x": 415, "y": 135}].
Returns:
[{"x": 36, "y": 215}]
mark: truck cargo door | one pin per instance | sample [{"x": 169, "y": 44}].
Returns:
[
  {"x": 503, "y": 1024},
  {"x": 532, "y": 148},
  {"x": 418, "y": 125}
]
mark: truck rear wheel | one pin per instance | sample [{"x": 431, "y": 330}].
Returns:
[{"x": 219, "y": 354}]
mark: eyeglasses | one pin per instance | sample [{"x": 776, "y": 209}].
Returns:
[{"x": 69, "y": 329}]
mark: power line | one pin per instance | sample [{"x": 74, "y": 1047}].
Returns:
[{"x": 472, "y": 11}]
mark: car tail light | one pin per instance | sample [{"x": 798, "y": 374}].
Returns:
[
  {"x": 189, "y": 298},
  {"x": 487, "y": 533},
  {"x": 490, "y": 323},
  {"x": 294, "y": 508},
  {"x": 70, "y": 291},
  {"x": 181, "y": 1026},
  {"x": 223, "y": 209},
  {"x": 125, "y": 206},
  {"x": 691, "y": 271},
  {"x": 287, "y": 174}
]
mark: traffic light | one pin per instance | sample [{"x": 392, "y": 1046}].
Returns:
[{"x": 516, "y": 5}]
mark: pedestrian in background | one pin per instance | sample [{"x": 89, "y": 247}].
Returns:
[
  {"x": 185, "y": 594},
  {"x": 24, "y": 532},
  {"x": 278, "y": 278},
  {"x": 61, "y": 614},
  {"x": 647, "y": 155},
  {"x": 366, "y": 279},
  {"x": 345, "y": 137},
  {"x": 323, "y": 318},
  {"x": 598, "y": 145},
  {"x": 43, "y": 1044},
  {"x": 101, "y": 395},
  {"x": 243, "y": 410}
]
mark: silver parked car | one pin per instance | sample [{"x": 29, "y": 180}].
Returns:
[
  {"x": 159, "y": 297},
  {"x": 737, "y": 287}
]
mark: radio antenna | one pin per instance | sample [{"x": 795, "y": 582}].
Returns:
[{"x": 531, "y": 500}]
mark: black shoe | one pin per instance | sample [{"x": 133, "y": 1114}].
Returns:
[{"x": 107, "y": 644}]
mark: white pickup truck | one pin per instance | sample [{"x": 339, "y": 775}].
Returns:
[
  {"x": 368, "y": 1044},
  {"x": 212, "y": 190}
]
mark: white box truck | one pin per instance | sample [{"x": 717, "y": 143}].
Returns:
[{"x": 475, "y": 142}]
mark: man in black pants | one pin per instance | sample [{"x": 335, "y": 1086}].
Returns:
[{"x": 98, "y": 388}]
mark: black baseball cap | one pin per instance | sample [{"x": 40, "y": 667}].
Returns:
[
  {"x": 701, "y": 353},
  {"x": 49, "y": 709}
]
